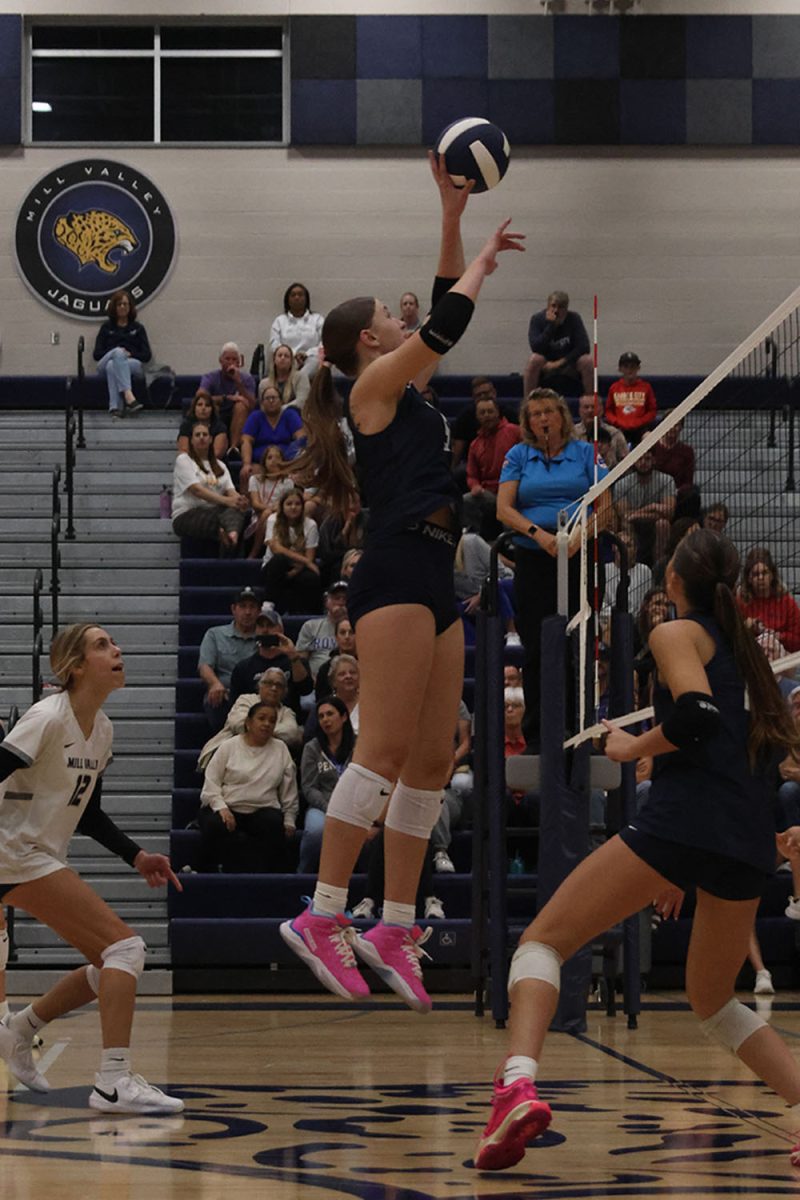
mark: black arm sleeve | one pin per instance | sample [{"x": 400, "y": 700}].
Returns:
[
  {"x": 98, "y": 825},
  {"x": 9, "y": 763},
  {"x": 441, "y": 286}
]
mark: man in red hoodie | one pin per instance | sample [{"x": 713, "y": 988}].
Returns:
[{"x": 487, "y": 450}]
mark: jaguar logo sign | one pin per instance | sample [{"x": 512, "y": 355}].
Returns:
[{"x": 89, "y": 228}]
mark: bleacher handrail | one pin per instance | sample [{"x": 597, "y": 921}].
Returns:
[
  {"x": 80, "y": 378},
  {"x": 36, "y": 648},
  {"x": 69, "y": 458}
]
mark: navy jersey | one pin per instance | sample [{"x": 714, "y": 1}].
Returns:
[
  {"x": 708, "y": 796},
  {"x": 404, "y": 471}
]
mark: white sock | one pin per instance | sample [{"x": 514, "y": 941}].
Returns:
[
  {"x": 26, "y": 1023},
  {"x": 4, "y": 1009},
  {"x": 328, "y": 900},
  {"x": 519, "y": 1066},
  {"x": 399, "y": 914},
  {"x": 114, "y": 1063}
]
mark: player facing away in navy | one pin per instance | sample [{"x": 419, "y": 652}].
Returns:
[
  {"x": 401, "y": 603},
  {"x": 708, "y": 822},
  {"x": 51, "y": 764}
]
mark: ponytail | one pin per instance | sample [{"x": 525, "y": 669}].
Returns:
[
  {"x": 708, "y": 566},
  {"x": 771, "y": 723},
  {"x": 324, "y": 458}
]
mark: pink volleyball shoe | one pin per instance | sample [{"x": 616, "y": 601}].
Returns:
[
  {"x": 794, "y": 1155},
  {"x": 394, "y": 954},
  {"x": 518, "y": 1116},
  {"x": 325, "y": 944}
]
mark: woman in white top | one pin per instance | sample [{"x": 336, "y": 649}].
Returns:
[
  {"x": 284, "y": 374},
  {"x": 51, "y": 765},
  {"x": 300, "y": 329},
  {"x": 250, "y": 789},
  {"x": 272, "y": 687},
  {"x": 205, "y": 504},
  {"x": 290, "y": 577}
]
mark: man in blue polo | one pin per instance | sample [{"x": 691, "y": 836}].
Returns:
[{"x": 222, "y": 647}]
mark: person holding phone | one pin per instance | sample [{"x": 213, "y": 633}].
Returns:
[
  {"x": 233, "y": 392},
  {"x": 275, "y": 649}
]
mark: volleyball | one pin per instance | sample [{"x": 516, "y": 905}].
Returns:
[{"x": 474, "y": 148}]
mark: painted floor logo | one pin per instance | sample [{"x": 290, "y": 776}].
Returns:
[{"x": 90, "y": 228}]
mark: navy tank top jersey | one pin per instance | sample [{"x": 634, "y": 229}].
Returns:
[
  {"x": 404, "y": 471},
  {"x": 709, "y": 797}
]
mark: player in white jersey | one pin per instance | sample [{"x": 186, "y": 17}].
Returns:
[{"x": 51, "y": 764}]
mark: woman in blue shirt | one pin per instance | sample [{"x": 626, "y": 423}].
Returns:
[
  {"x": 549, "y": 470},
  {"x": 269, "y": 425}
]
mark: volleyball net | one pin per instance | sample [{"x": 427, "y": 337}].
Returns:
[{"x": 741, "y": 427}]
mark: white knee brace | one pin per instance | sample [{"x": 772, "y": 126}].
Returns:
[
  {"x": 126, "y": 955},
  {"x": 733, "y": 1024},
  {"x": 414, "y": 811},
  {"x": 3, "y": 949},
  {"x": 359, "y": 797},
  {"x": 534, "y": 960}
]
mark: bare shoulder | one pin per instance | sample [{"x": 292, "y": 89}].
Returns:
[{"x": 680, "y": 636}]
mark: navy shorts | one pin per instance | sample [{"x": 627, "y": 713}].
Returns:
[
  {"x": 414, "y": 566},
  {"x": 5, "y": 888},
  {"x": 689, "y": 866}
]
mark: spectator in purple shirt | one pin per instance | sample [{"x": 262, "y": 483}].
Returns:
[{"x": 233, "y": 392}]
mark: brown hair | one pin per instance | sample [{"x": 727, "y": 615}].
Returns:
[
  {"x": 708, "y": 566},
  {"x": 760, "y": 555},
  {"x": 559, "y": 403},
  {"x": 283, "y": 527},
  {"x": 326, "y": 453},
  {"x": 113, "y": 300},
  {"x": 201, "y": 394},
  {"x": 212, "y": 458},
  {"x": 67, "y": 651},
  {"x": 253, "y": 709}
]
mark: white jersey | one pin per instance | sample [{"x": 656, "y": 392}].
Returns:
[{"x": 41, "y": 803}]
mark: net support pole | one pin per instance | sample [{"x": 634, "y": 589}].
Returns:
[
  {"x": 480, "y": 879},
  {"x": 564, "y": 816},
  {"x": 621, "y": 701},
  {"x": 562, "y": 571}
]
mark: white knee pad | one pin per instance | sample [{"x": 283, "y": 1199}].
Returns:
[
  {"x": 733, "y": 1024},
  {"x": 414, "y": 811},
  {"x": 359, "y": 797},
  {"x": 127, "y": 955},
  {"x": 93, "y": 978},
  {"x": 534, "y": 960},
  {"x": 4, "y": 941}
]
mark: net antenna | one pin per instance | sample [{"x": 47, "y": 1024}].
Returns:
[{"x": 742, "y": 461}]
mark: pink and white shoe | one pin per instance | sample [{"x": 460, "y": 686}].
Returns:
[
  {"x": 394, "y": 953},
  {"x": 325, "y": 944},
  {"x": 518, "y": 1116},
  {"x": 794, "y": 1155}
]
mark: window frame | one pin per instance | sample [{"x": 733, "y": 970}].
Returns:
[{"x": 156, "y": 55}]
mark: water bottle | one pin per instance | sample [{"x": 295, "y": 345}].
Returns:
[
  {"x": 516, "y": 866},
  {"x": 165, "y": 503}
]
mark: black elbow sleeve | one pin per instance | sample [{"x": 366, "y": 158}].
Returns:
[
  {"x": 447, "y": 322},
  {"x": 694, "y": 720},
  {"x": 441, "y": 286}
]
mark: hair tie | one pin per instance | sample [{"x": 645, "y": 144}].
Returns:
[{"x": 324, "y": 361}]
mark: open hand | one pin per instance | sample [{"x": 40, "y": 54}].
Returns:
[
  {"x": 500, "y": 240},
  {"x": 454, "y": 199}
]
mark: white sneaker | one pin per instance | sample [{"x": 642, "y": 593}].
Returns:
[
  {"x": 433, "y": 908},
  {"x": 792, "y": 909},
  {"x": 365, "y": 909},
  {"x": 763, "y": 985},
  {"x": 132, "y": 1093},
  {"x": 513, "y": 639},
  {"x": 443, "y": 863},
  {"x": 17, "y": 1052}
]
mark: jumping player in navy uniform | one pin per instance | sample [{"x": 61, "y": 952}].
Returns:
[
  {"x": 708, "y": 823},
  {"x": 51, "y": 765},
  {"x": 401, "y": 603}
]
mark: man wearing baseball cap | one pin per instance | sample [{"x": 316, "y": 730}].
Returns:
[
  {"x": 317, "y": 637},
  {"x": 222, "y": 647},
  {"x": 631, "y": 403}
]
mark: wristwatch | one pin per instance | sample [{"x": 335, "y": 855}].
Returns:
[{"x": 532, "y": 530}]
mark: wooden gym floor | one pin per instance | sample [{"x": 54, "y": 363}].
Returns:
[{"x": 308, "y": 1097}]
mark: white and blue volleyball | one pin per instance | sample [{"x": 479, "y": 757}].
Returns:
[{"x": 474, "y": 148}]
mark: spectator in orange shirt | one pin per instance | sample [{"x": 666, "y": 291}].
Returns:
[
  {"x": 631, "y": 403},
  {"x": 487, "y": 451}
]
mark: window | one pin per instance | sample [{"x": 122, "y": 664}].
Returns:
[{"x": 171, "y": 84}]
